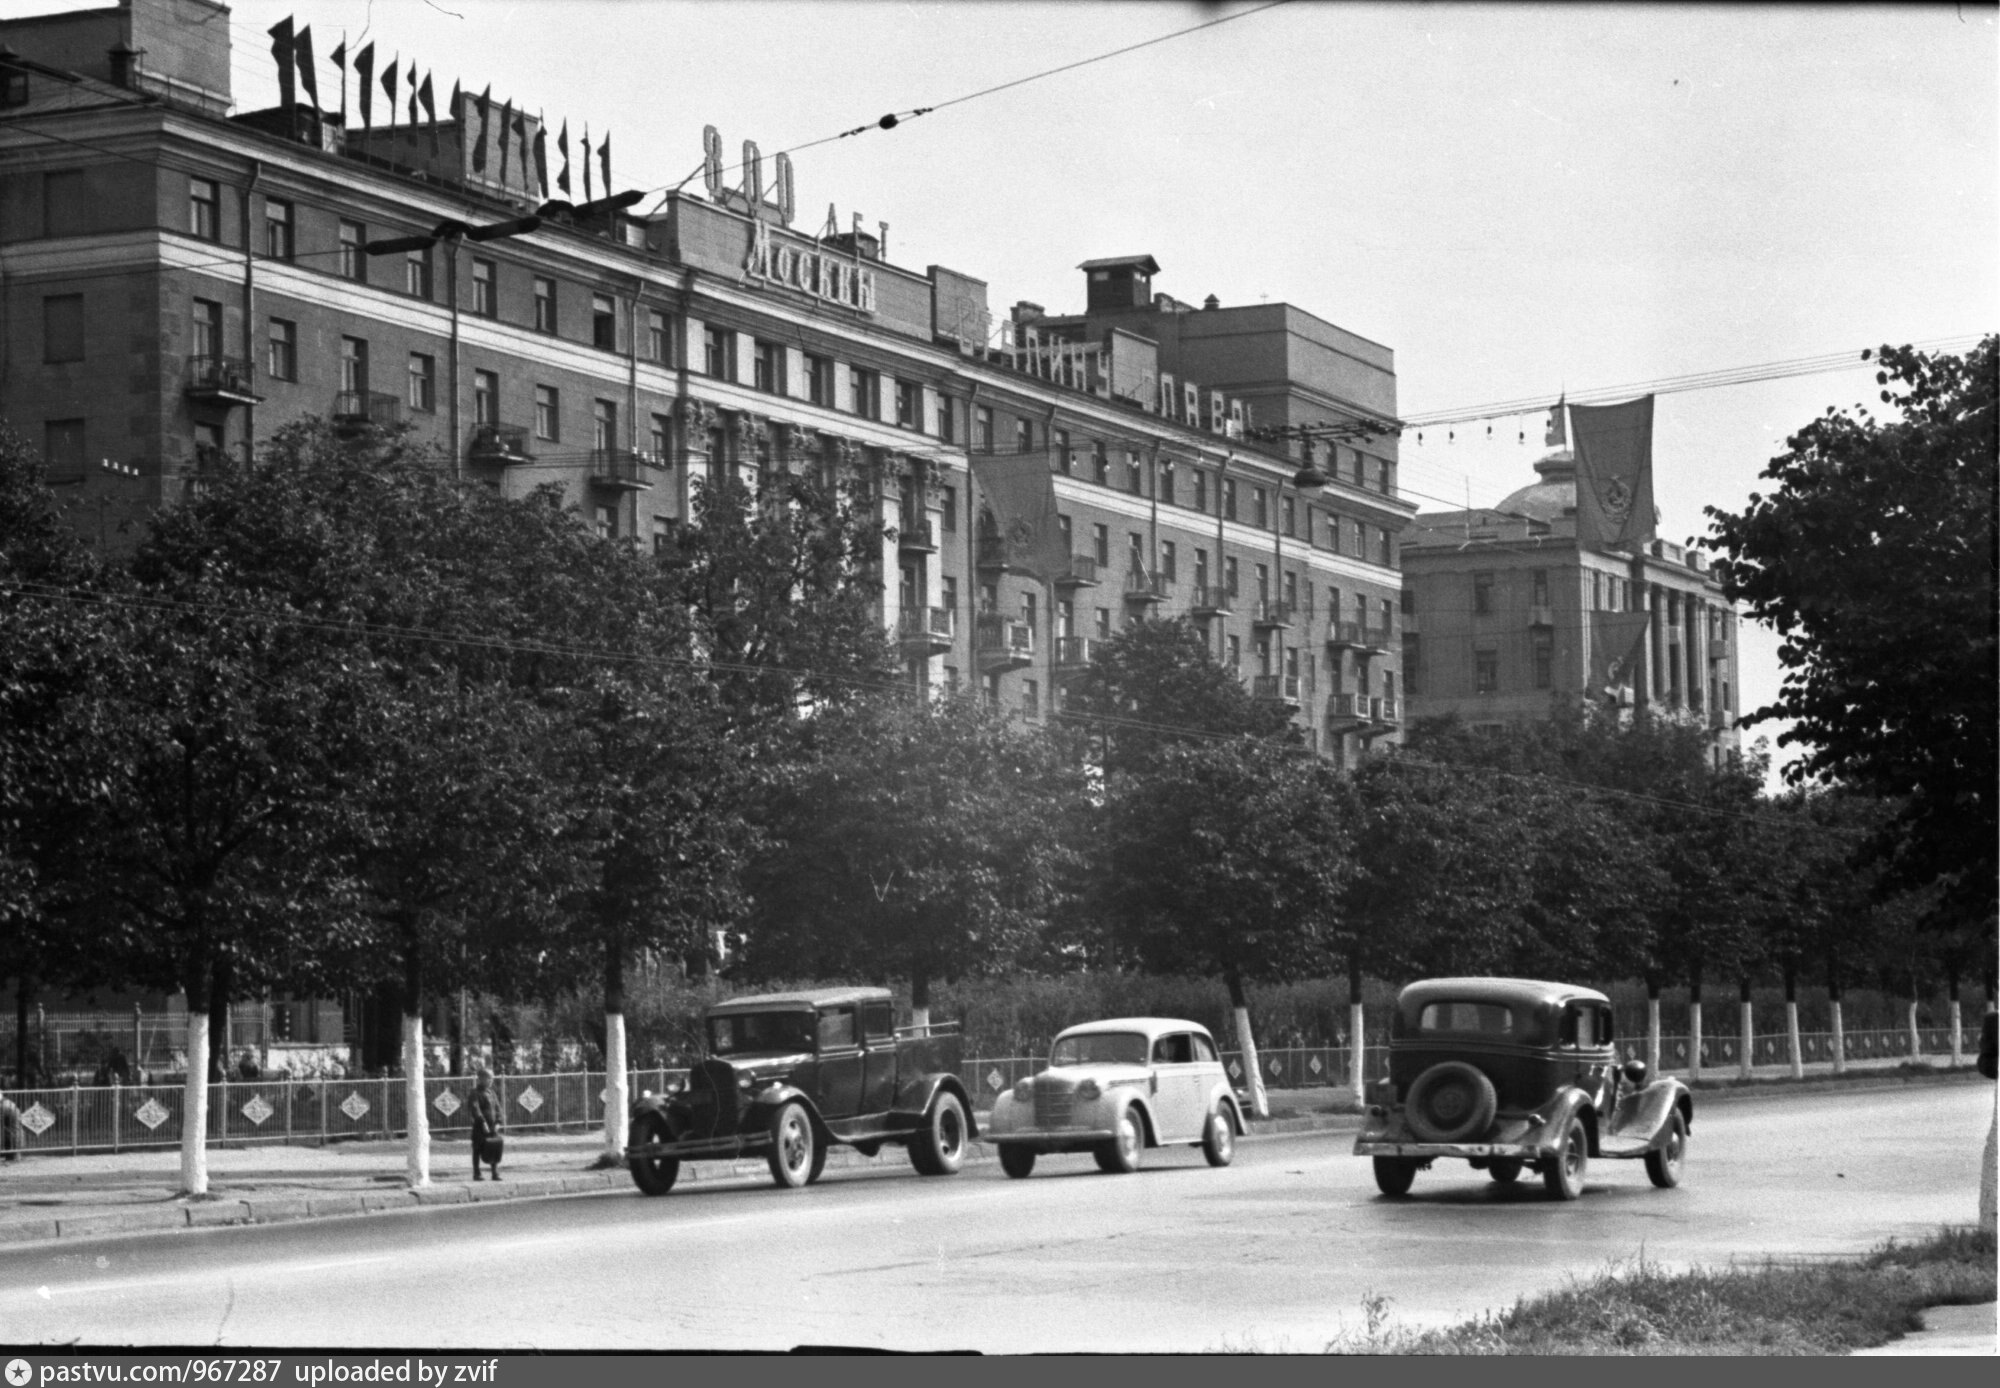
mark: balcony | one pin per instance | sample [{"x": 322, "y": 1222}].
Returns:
[
  {"x": 992, "y": 552},
  {"x": 621, "y": 469},
  {"x": 1721, "y": 719},
  {"x": 1271, "y": 614},
  {"x": 1142, "y": 587},
  {"x": 221, "y": 381},
  {"x": 1386, "y": 711},
  {"x": 1346, "y": 712},
  {"x": 1718, "y": 648},
  {"x": 916, "y": 537},
  {"x": 1000, "y": 643},
  {"x": 1075, "y": 653},
  {"x": 209, "y": 463},
  {"x": 1082, "y": 572},
  {"x": 1373, "y": 641},
  {"x": 926, "y": 631},
  {"x": 1280, "y": 689},
  {"x": 357, "y": 411},
  {"x": 498, "y": 445},
  {"x": 1211, "y": 600}
]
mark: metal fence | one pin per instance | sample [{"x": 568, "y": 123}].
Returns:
[{"x": 129, "y": 1117}]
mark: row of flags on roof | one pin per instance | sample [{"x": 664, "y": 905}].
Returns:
[{"x": 498, "y": 140}]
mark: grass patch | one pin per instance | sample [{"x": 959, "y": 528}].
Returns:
[{"x": 1769, "y": 1308}]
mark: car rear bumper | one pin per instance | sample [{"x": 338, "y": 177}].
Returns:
[
  {"x": 1379, "y": 1147},
  {"x": 1051, "y": 1139}
]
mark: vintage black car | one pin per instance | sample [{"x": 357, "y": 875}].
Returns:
[
  {"x": 790, "y": 1074},
  {"x": 1515, "y": 1075}
]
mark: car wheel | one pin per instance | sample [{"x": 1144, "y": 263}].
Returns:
[
  {"x": 1504, "y": 1170},
  {"x": 1450, "y": 1102},
  {"x": 653, "y": 1175},
  {"x": 939, "y": 1150},
  {"x": 1218, "y": 1138},
  {"x": 1663, "y": 1164},
  {"x": 1120, "y": 1156},
  {"x": 820, "y": 1149},
  {"x": 1563, "y": 1175},
  {"x": 1395, "y": 1175},
  {"x": 792, "y": 1145},
  {"x": 1017, "y": 1161}
]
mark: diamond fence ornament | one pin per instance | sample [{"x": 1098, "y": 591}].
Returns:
[
  {"x": 257, "y": 1110},
  {"x": 994, "y": 1079},
  {"x": 1313, "y": 1065},
  {"x": 530, "y": 1099},
  {"x": 446, "y": 1103},
  {"x": 1235, "y": 1069},
  {"x": 152, "y": 1114},
  {"x": 354, "y": 1106},
  {"x": 37, "y": 1119}
]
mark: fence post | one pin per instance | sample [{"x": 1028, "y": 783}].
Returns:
[
  {"x": 322, "y": 1111},
  {"x": 115, "y": 1106},
  {"x": 555, "y": 1100},
  {"x": 75, "y": 1103}
]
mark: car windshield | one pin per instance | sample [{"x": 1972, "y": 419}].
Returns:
[
  {"x": 1485, "y": 1018},
  {"x": 738, "y": 1033},
  {"x": 1100, "y": 1048}
]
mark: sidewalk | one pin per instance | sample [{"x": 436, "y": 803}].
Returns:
[{"x": 106, "y": 1195}]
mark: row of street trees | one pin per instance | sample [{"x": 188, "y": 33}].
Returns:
[{"x": 340, "y": 722}]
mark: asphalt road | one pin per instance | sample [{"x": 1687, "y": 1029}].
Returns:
[{"x": 1275, "y": 1252}]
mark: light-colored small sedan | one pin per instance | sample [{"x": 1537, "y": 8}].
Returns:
[{"x": 1115, "y": 1088}]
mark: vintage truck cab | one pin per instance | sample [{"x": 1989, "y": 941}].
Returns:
[
  {"x": 1513, "y": 1074},
  {"x": 790, "y": 1074}
]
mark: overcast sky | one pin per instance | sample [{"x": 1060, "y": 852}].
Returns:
[{"x": 1516, "y": 199}]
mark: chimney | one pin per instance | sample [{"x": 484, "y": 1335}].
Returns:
[
  {"x": 125, "y": 65},
  {"x": 1211, "y": 302}
]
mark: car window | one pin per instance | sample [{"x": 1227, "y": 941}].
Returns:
[
  {"x": 1173, "y": 1050},
  {"x": 877, "y": 1020},
  {"x": 1585, "y": 1027},
  {"x": 1100, "y": 1048},
  {"x": 763, "y": 1032},
  {"x": 1487, "y": 1018},
  {"x": 836, "y": 1028},
  {"x": 1204, "y": 1049}
]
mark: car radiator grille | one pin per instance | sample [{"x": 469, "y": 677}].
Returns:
[{"x": 1054, "y": 1108}]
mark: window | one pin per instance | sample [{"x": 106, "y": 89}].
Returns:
[
  {"x": 909, "y": 405},
  {"x": 656, "y": 337},
  {"x": 1386, "y": 548},
  {"x": 864, "y": 392},
  {"x": 283, "y": 359},
  {"x": 660, "y": 437},
  {"x": 1201, "y": 569},
  {"x": 663, "y": 534},
  {"x": 1164, "y": 483},
  {"x": 1229, "y": 580},
  {"x": 62, "y": 446},
  {"x": 949, "y": 593},
  {"x": 1290, "y": 518},
  {"x": 1413, "y": 664},
  {"x": 1409, "y": 601},
  {"x": 1103, "y": 622},
  {"x": 603, "y": 425},
  {"x": 1168, "y": 569},
  {"x": 819, "y": 380},
  {"x": 769, "y": 369},
  {"x": 1482, "y": 593},
  {"x": 947, "y": 419},
  {"x": 1201, "y": 492},
  {"x": 548, "y": 414},
  {"x": 1135, "y": 551},
  {"x": 1485, "y": 672},
  {"x": 1491, "y": 1019},
  {"x": 65, "y": 203},
  {"x": 1258, "y": 517},
  {"x": 948, "y": 500},
  {"x": 605, "y": 523},
  {"x": 1135, "y": 474},
  {"x": 982, "y": 430},
  {"x": 62, "y": 328},
  {"x": 1100, "y": 465},
  {"x": 545, "y": 304},
  {"x": 353, "y": 364},
  {"x": 1541, "y": 583},
  {"x": 1545, "y": 661},
  {"x": 604, "y": 322},
  {"x": 1031, "y": 698},
  {"x": 417, "y": 273},
  {"x": 1236, "y": 655},
  {"x": 1065, "y": 457},
  {"x": 485, "y": 398},
  {"x": 1263, "y": 584},
  {"x": 205, "y": 209},
  {"x": 423, "y": 382},
  {"x": 1024, "y": 436},
  {"x": 353, "y": 259},
  {"x": 1229, "y": 498},
  {"x": 718, "y": 353},
  {"x": 1100, "y": 536},
  {"x": 485, "y": 288},
  {"x": 278, "y": 242},
  {"x": 207, "y": 322}
]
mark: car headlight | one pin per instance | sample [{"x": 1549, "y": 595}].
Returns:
[
  {"x": 1088, "y": 1090},
  {"x": 1023, "y": 1090}
]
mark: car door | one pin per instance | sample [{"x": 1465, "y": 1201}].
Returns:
[
  {"x": 1586, "y": 1053},
  {"x": 1178, "y": 1101},
  {"x": 840, "y": 1064},
  {"x": 878, "y": 1057}
]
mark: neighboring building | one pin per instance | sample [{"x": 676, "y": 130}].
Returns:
[
  {"x": 179, "y": 282},
  {"x": 1502, "y": 610}
]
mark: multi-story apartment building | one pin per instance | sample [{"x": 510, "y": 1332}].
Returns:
[
  {"x": 1503, "y": 608},
  {"x": 176, "y": 281}
]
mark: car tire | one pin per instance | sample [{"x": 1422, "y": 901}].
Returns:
[
  {"x": 653, "y": 1175},
  {"x": 1450, "y": 1102},
  {"x": 1563, "y": 1173},
  {"x": 1395, "y": 1175},
  {"x": 793, "y": 1145},
  {"x": 1120, "y": 1156},
  {"x": 1017, "y": 1161},
  {"x": 1504, "y": 1170},
  {"x": 1663, "y": 1164},
  {"x": 820, "y": 1149},
  {"x": 939, "y": 1150},
  {"x": 1218, "y": 1137}
]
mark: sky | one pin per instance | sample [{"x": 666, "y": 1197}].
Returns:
[{"x": 1518, "y": 200}]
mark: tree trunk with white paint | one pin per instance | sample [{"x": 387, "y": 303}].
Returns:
[
  {"x": 418, "y": 1157},
  {"x": 1986, "y": 1172},
  {"x": 1260, "y": 1102},
  {"x": 1957, "y": 1036},
  {"x": 1748, "y": 1038},
  {"x": 1839, "y": 1039},
  {"x": 194, "y": 1105},
  {"x": 617, "y": 1091},
  {"x": 1916, "y": 1041},
  {"x": 1694, "y": 1039},
  {"x": 1792, "y": 1040},
  {"x": 1357, "y": 1052},
  {"x": 1653, "y": 1035}
]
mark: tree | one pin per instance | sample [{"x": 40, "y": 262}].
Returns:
[{"x": 1875, "y": 559}]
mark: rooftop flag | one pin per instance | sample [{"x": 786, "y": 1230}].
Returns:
[
  {"x": 1019, "y": 501},
  {"x": 521, "y": 144},
  {"x": 588, "y": 194},
  {"x": 1617, "y": 649},
  {"x": 302, "y": 49},
  {"x": 429, "y": 100},
  {"x": 562, "y": 148},
  {"x": 389, "y": 87},
  {"x": 281, "y": 49},
  {"x": 542, "y": 154},
  {"x": 413, "y": 93},
  {"x": 1614, "y": 474},
  {"x": 364, "y": 69},
  {"x": 506, "y": 133},
  {"x": 1557, "y": 436},
  {"x": 339, "y": 57},
  {"x": 485, "y": 103},
  {"x": 604, "y": 153}
]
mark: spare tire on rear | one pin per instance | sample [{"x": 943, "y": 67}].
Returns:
[{"x": 1450, "y": 1102}]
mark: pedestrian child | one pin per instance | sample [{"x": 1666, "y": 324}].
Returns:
[{"x": 487, "y": 1141}]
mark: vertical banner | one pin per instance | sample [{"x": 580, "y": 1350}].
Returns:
[{"x": 1614, "y": 474}]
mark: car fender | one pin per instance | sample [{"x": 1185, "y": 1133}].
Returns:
[
  {"x": 918, "y": 1095},
  {"x": 1569, "y": 1102},
  {"x": 767, "y": 1101},
  {"x": 1646, "y": 1113},
  {"x": 1147, "y": 1129},
  {"x": 1225, "y": 1097}
]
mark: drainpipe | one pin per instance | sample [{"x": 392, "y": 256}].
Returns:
[
  {"x": 457, "y": 444},
  {"x": 632, "y": 389},
  {"x": 249, "y": 311},
  {"x": 1221, "y": 559}
]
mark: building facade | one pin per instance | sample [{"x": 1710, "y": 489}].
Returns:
[
  {"x": 179, "y": 281},
  {"x": 1503, "y": 610}
]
